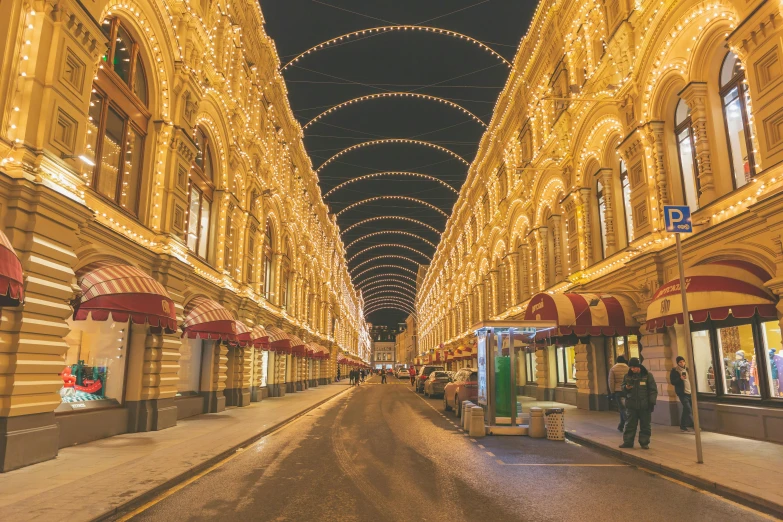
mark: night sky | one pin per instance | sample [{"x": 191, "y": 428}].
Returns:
[{"x": 401, "y": 61}]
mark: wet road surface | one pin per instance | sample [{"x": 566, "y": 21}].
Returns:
[{"x": 381, "y": 452}]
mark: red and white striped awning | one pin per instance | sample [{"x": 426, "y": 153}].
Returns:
[
  {"x": 714, "y": 291},
  {"x": 298, "y": 346},
  {"x": 11, "y": 279},
  {"x": 316, "y": 351},
  {"x": 279, "y": 341},
  {"x": 340, "y": 358},
  {"x": 123, "y": 291},
  {"x": 609, "y": 315},
  {"x": 259, "y": 338},
  {"x": 207, "y": 319}
]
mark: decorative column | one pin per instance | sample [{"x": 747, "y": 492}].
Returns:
[
  {"x": 512, "y": 280},
  {"x": 606, "y": 180},
  {"x": 542, "y": 244},
  {"x": 558, "y": 247},
  {"x": 655, "y": 133},
  {"x": 585, "y": 231},
  {"x": 214, "y": 373},
  {"x": 493, "y": 301},
  {"x": 695, "y": 95},
  {"x": 525, "y": 289}
]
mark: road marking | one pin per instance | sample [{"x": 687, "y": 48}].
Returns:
[
  {"x": 490, "y": 454},
  {"x": 473, "y": 440},
  {"x": 535, "y": 464},
  {"x": 480, "y": 445}
]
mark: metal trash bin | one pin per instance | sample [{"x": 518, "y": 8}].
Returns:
[
  {"x": 537, "y": 426},
  {"x": 555, "y": 423}
]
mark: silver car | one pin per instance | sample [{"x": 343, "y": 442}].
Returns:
[{"x": 435, "y": 383}]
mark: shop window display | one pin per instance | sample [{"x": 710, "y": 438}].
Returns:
[
  {"x": 773, "y": 344},
  {"x": 189, "y": 374},
  {"x": 566, "y": 365},
  {"x": 702, "y": 357},
  {"x": 531, "y": 368},
  {"x": 735, "y": 343},
  {"x": 94, "y": 371}
]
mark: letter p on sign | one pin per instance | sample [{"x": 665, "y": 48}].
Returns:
[{"x": 677, "y": 218}]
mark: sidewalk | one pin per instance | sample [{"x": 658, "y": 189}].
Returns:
[
  {"x": 95, "y": 479},
  {"x": 745, "y": 470}
]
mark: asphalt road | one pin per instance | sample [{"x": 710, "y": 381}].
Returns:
[{"x": 382, "y": 452}]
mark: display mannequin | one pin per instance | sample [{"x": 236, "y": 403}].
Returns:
[
  {"x": 754, "y": 377},
  {"x": 776, "y": 368},
  {"x": 741, "y": 373}
]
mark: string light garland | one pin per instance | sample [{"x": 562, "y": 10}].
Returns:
[
  {"x": 385, "y": 256},
  {"x": 391, "y": 29},
  {"x": 395, "y": 282},
  {"x": 387, "y": 141},
  {"x": 402, "y": 218},
  {"x": 389, "y": 300},
  {"x": 395, "y": 95},
  {"x": 388, "y": 245},
  {"x": 404, "y": 198},
  {"x": 410, "y": 290},
  {"x": 390, "y": 307},
  {"x": 385, "y": 266},
  {"x": 390, "y": 173},
  {"x": 383, "y": 232},
  {"x": 384, "y": 292},
  {"x": 397, "y": 278}
]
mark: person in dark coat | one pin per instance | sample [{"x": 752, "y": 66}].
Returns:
[
  {"x": 641, "y": 395},
  {"x": 682, "y": 387}
]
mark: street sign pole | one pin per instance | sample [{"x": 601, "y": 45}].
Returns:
[
  {"x": 678, "y": 220},
  {"x": 686, "y": 322}
]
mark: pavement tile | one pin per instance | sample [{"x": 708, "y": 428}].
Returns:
[
  {"x": 757, "y": 466},
  {"x": 126, "y": 466}
]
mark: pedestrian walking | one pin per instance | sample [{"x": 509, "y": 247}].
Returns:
[
  {"x": 412, "y": 374},
  {"x": 353, "y": 378},
  {"x": 641, "y": 395},
  {"x": 383, "y": 376},
  {"x": 616, "y": 376},
  {"x": 682, "y": 387}
]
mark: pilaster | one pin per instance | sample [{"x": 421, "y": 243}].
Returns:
[{"x": 695, "y": 95}]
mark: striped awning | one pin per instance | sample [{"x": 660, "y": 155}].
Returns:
[
  {"x": 259, "y": 338},
  {"x": 714, "y": 291},
  {"x": 582, "y": 315},
  {"x": 244, "y": 338},
  {"x": 112, "y": 288},
  {"x": 207, "y": 319},
  {"x": 11, "y": 279},
  {"x": 298, "y": 346},
  {"x": 340, "y": 358},
  {"x": 279, "y": 341},
  {"x": 316, "y": 351}
]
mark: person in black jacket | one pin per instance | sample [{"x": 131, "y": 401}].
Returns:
[
  {"x": 641, "y": 395},
  {"x": 682, "y": 387}
]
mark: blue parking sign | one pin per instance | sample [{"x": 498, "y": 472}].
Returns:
[{"x": 677, "y": 218}]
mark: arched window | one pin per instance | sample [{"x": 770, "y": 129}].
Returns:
[
  {"x": 285, "y": 288},
  {"x": 735, "y": 97},
  {"x": 251, "y": 255},
  {"x": 117, "y": 120},
  {"x": 599, "y": 192},
  {"x": 268, "y": 273},
  {"x": 625, "y": 186},
  {"x": 686, "y": 152},
  {"x": 200, "y": 197}
]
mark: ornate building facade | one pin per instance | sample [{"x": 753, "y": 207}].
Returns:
[
  {"x": 613, "y": 109},
  {"x": 147, "y": 148}
]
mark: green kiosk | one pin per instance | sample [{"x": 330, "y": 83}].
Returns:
[{"x": 496, "y": 345}]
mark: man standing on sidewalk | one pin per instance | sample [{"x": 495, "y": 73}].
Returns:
[
  {"x": 641, "y": 395},
  {"x": 616, "y": 376},
  {"x": 682, "y": 387}
]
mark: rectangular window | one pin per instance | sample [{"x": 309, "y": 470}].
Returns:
[
  {"x": 602, "y": 221},
  {"x": 203, "y": 233},
  {"x": 566, "y": 366},
  {"x": 111, "y": 157},
  {"x": 738, "y": 140},
  {"x": 531, "y": 368},
  {"x": 705, "y": 371},
  {"x": 189, "y": 374},
  {"x": 94, "y": 371},
  {"x": 627, "y": 206},
  {"x": 736, "y": 344},
  {"x": 688, "y": 167},
  {"x": 770, "y": 332}
]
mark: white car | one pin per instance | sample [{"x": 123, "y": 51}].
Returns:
[{"x": 402, "y": 373}]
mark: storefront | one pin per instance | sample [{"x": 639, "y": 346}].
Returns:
[
  {"x": 297, "y": 366},
  {"x": 118, "y": 307},
  {"x": 280, "y": 346},
  {"x": 569, "y": 363},
  {"x": 736, "y": 336},
  {"x": 258, "y": 363},
  {"x": 210, "y": 333}
]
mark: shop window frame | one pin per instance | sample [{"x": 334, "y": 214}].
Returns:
[
  {"x": 564, "y": 360},
  {"x": 201, "y": 182},
  {"x": 762, "y": 364},
  {"x": 686, "y": 125}
]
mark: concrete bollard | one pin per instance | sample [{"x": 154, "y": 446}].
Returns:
[
  {"x": 477, "y": 422},
  {"x": 466, "y": 406},
  {"x": 537, "y": 423}
]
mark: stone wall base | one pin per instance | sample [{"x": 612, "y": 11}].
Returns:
[
  {"x": 27, "y": 439},
  {"x": 545, "y": 394},
  {"x": 312, "y": 383},
  {"x": 78, "y": 428},
  {"x": 592, "y": 401},
  {"x": 214, "y": 402},
  {"x": 256, "y": 394},
  {"x": 299, "y": 385},
  {"x": 237, "y": 396},
  {"x": 189, "y": 405},
  {"x": 741, "y": 420},
  {"x": 290, "y": 387},
  {"x": 277, "y": 390},
  {"x": 151, "y": 415}
]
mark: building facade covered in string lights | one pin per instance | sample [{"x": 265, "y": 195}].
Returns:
[
  {"x": 613, "y": 109},
  {"x": 177, "y": 255}
]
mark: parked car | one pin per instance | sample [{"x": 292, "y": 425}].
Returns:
[
  {"x": 463, "y": 387},
  {"x": 402, "y": 373},
  {"x": 436, "y": 383},
  {"x": 424, "y": 373}
]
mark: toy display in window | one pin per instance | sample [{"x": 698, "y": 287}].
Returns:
[
  {"x": 776, "y": 369},
  {"x": 83, "y": 383},
  {"x": 740, "y": 374}
]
